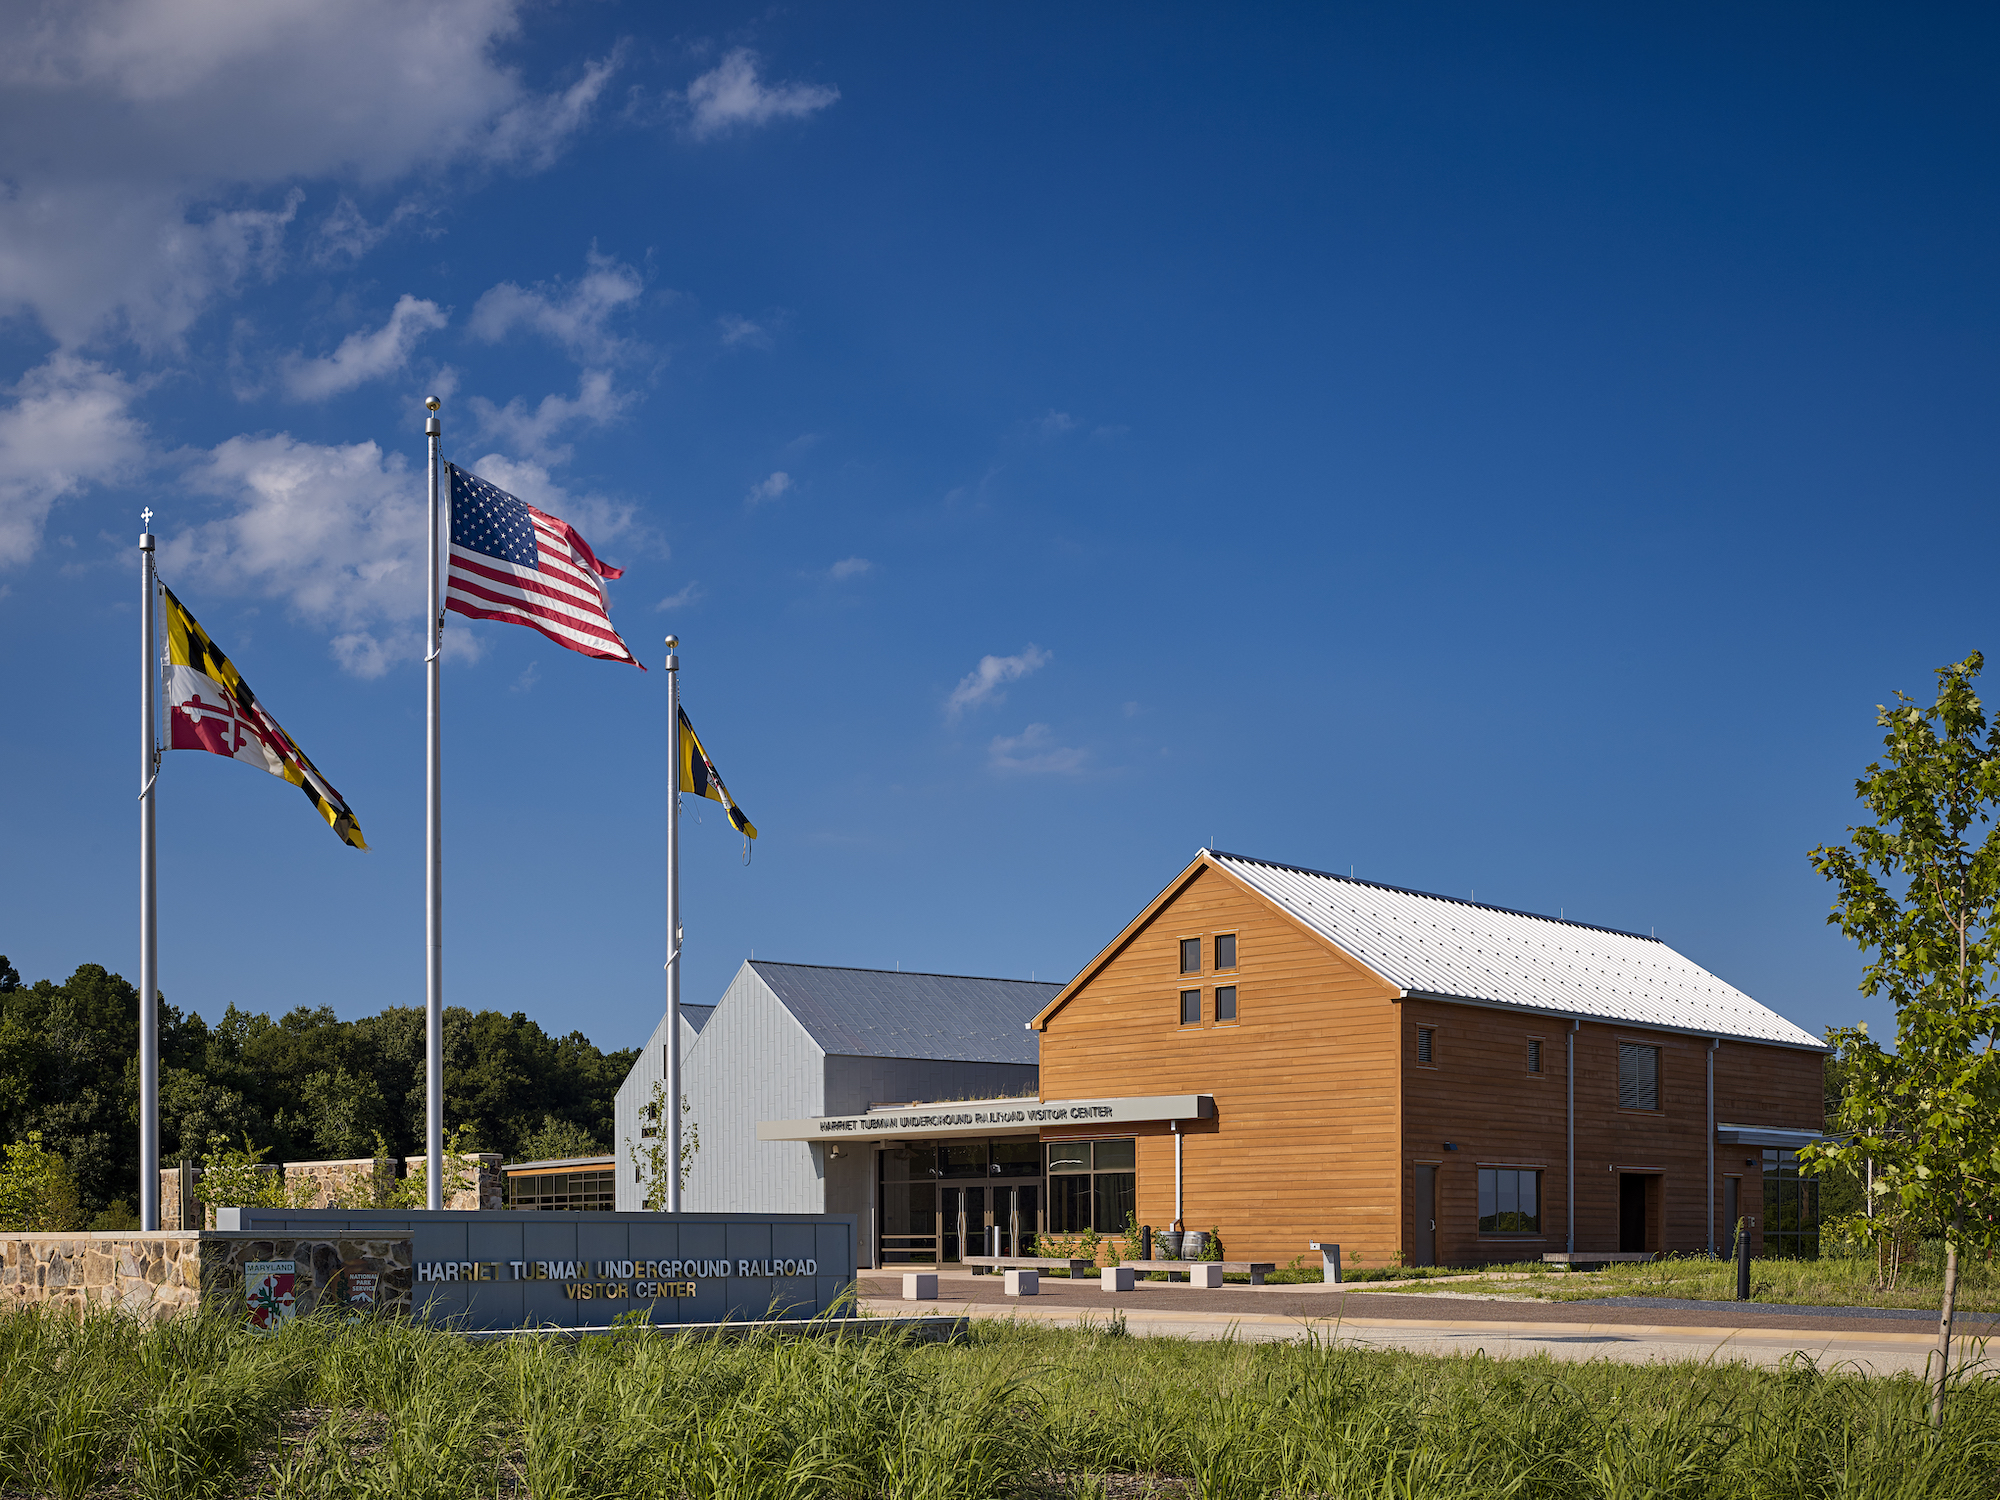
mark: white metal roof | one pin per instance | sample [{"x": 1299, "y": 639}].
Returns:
[{"x": 1461, "y": 950}]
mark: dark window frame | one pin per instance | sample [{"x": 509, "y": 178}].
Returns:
[
  {"x": 1191, "y": 944},
  {"x": 1426, "y": 1052},
  {"x": 1233, "y": 1017},
  {"x": 1186, "y": 996},
  {"x": 1537, "y": 1057},
  {"x": 1109, "y": 1194},
  {"x": 1494, "y": 1191},
  {"x": 1234, "y": 963},
  {"x": 1637, "y": 1092}
]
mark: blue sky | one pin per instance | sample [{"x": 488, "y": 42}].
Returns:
[{"x": 1498, "y": 452}]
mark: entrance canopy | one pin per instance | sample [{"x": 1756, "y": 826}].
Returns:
[{"x": 985, "y": 1117}]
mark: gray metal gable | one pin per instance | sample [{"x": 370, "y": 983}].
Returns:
[
  {"x": 881, "y": 1013},
  {"x": 753, "y": 1061}
]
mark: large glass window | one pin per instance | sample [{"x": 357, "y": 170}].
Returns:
[
  {"x": 1017, "y": 1159},
  {"x": 1510, "y": 1201},
  {"x": 564, "y": 1192},
  {"x": 1791, "y": 1208},
  {"x": 1638, "y": 1076},
  {"x": 1092, "y": 1185},
  {"x": 962, "y": 1159}
]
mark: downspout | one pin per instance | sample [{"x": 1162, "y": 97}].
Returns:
[
  {"x": 1569, "y": 1045},
  {"x": 1179, "y": 1223},
  {"x": 1713, "y": 1043}
]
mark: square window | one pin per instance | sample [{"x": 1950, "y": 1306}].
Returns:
[
  {"x": 1425, "y": 1050},
  {"x": 1225, "y": 1002},
  {"x": 1225, "y": 951},
  {"x": 1509, "y": 1201},
  {"x": 1190, "y": 955},
  {"x": 1534, "y": 1054},
  {"x": 1638, "y": 1076},
  {"x": 1190, "y": 1007}
]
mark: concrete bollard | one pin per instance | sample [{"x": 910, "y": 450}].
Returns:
[
  {"x": 1205, "y": 1274},
  {"x": 1116, "y": 1279},
  {"x": 920, "y": 1286},
  {"x": 1023, "y": 1283}
]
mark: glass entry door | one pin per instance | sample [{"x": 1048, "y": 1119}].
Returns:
[{"x": 927, "y": 1218}]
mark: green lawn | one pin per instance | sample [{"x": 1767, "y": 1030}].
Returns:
[
  {"x": 204, "y": 1409},
  {"x": 1834, "y": 1281}
]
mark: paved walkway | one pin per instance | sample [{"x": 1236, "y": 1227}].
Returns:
[{"x": 1856, "y": 1339}]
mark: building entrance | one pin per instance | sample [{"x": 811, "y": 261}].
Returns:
[
  {"x": 1638, "y": 1197},
  {"x": 943, "y": 1202}
]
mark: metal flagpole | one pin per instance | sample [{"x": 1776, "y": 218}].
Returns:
[
  {"x": 149, "y": 902},
  {"x": 433, "y": 856},
  {"x": 674, "y": 929}
]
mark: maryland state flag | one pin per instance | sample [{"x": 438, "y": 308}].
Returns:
[
  {"x": 210, "y": 707},
  {"x": 698, "y": 776}
]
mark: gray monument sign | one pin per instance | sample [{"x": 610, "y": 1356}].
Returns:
[{"x": 527, "y": 1269}]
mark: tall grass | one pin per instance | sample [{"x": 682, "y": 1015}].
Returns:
[{"x": 202, "y": 1408}]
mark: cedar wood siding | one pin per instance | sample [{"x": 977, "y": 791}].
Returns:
[
  {"x": 1303, "y": 1146},
  {"x": 1479, "y": 1095}
]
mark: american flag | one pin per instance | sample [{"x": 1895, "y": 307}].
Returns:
[{"x": 510, "y": 561}]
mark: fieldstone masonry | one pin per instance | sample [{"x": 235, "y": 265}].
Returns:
[{"x": 155, "y": 1276}]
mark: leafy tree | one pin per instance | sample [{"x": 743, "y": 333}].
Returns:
[
  {"x": 651, "y": 1154},
  {"x": 342, "y": 1113},
  {"x": 1917, "y": 890},
  {"x": 37, "y": 1192},
  {"x": 306, "y": 1085},
  {"x": 555, "y": 1139}
]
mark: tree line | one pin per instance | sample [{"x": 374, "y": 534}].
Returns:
[{"x": 306, "y": 1086}]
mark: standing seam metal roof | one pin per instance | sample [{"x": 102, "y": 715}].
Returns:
[
  {"x": 1461, "y": 950},
  {"x": 887, "y": 1013}
]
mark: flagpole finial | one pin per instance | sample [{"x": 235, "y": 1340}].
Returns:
[
  {"x": 673, "y": 641},
  {"x": 431, "y": 403}
]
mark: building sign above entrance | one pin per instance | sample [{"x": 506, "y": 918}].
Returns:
[{"x": 987, "y": 1116}]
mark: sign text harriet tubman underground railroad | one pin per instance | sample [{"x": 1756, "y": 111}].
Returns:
[{"x": 608, "y": 1279}]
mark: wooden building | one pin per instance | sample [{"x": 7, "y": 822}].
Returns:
[{"x": 1429, "y": 1080}]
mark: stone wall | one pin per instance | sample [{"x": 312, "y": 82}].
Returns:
[
  {"x": 322, "y": 1184},
  {"x": 326, "y": 1268},
  {"x": 483, "y": 1193},
  {"x": 155, "y": 1276},
  {"x": 150, "y": 1276}
]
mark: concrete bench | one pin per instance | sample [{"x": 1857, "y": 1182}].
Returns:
[
  {"x": 1207, "y": 1273},
  {"x": 1077, "y": 1266},
  {"x": 1577, "y": 1260}
]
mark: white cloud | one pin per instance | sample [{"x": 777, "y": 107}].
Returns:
[
  {"x": 334, "y": 532},
  {"x": 573, "y": 315},
  {"x": 1055, "y": 423},
  {"x": 850, "y": 567},
  {"x": 365, "y": 356},
  {"x": 681, "y": 598},
  {"x": 768, "y": 489},
  {"x": 1034, "y": 752},
  {"x": 735, "y": 331},
  {"x": 525, "y": 683},
  {"x": 530, "y": 432},
  {"x": 144, "y": 138},
  {"x": 70, "y": 425},
  {"x": 731, "y": 94},
  {"x": 983, "y": 683},
  {"x": 345, "y": 235}
]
